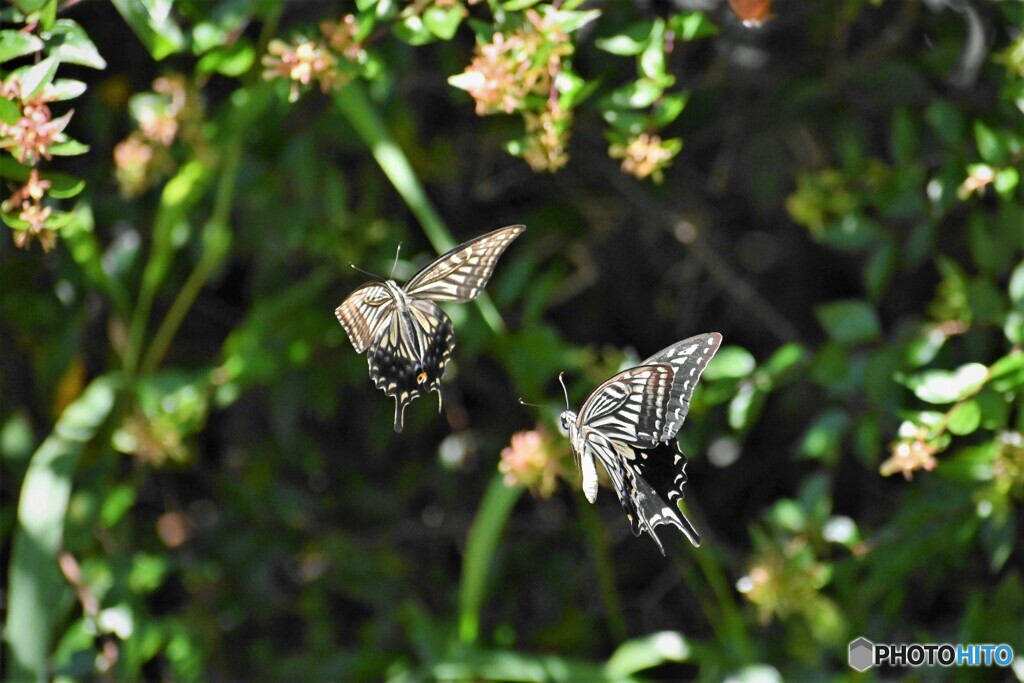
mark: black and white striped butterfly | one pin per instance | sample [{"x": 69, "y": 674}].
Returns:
[
  {"x": 629, "y": 424},
  {"x": 407, "y": 337}
]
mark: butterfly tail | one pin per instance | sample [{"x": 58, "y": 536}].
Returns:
[{"x": 399, "y": 414}]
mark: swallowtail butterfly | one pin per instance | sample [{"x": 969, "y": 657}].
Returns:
[
  {"x": 629, "y": 424},
  {"x": 407, "y": 337}
]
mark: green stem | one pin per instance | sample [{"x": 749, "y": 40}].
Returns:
[
  {"x": 597, "y": 536},
  {"x": 731, "y": 628},
  {"x": 356, "y": 106},
  {"x": 179, "y": 195},
  {"x": 217, "y": 239},
  {"x": 484, "y": 534}
]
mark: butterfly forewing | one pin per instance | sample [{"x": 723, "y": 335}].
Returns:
[
  {"x": 460, "y": 274},
  {"x": 688, "y": 359},
  {"x": 631, "y": 405},
  {"x": 362, "y": 312}
]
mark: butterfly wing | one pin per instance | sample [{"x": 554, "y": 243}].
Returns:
[
  {"x": 460, "y": 274},
  {"x": 688, "y": 359},
  {"x": 629, "y": 423},
  {"x": 408, "y": 357},
  {"x": 363, "y": 312},
  {"x": 630, "y": 407},
  {"x": 654, "y": 487}
]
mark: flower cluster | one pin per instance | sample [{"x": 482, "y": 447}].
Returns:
[
  {"x": 646, "y": 155},
  {"x": 519, "y": 73},
  {"x": 785, "y": 580},
  {"x": 30, "y": 139},
  {"x": 533, "y": 461},
  {"x": 171, "y": 112},
  {"x": 327, "y": 61},
  {"x": 908, "y": 456}
]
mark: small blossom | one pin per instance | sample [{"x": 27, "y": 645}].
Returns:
[
  {"x": 35, "y": 215},
  {"x": 532, "y": 461},
  {"x": 546, "y": 140},
  {"x": 341, "y": 38},
  {"x": 979, "y": 177},
  {"x": 34, "y": 189},
  {"x": 34, "y": 132},
  {"x": 302, "y": 63},
  {"x": 133, "y": 157},
  {"x": 908, "y": 457},
  {"x": 645, "y": 155}
]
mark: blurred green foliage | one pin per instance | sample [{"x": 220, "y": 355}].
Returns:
[{"x": 200, "y": 482}]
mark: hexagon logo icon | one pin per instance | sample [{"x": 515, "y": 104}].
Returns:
[{"x": 862, "y": 654}]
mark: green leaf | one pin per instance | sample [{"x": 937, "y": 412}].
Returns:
[
  {"x": 946, "y": 120},
  {"x": 64, "y": 186},
  {"x": 38, "y": 77},
  {"x": 69, "y": 42},
  {"x": 625, "y": 121},
  {"x": 942, "y": 386},
  {"x": 630, "y": 42},
  {"x": 824, "y": 439},
  {"x": 412, "y": 30},
  {"x": 746, "y": 406},
  {"x": 991, "y": 145},
  {"x": 971, "y": 464},
  {"x": 692, "y": 25},
  {"x": 14, "y": 44},
  {"x": 849, "y": 322},
  {"x": 637, "y": 95},
  {"x": 646, "y": 652},
  {"x": 443, "y": 22},
  {"x": 231, "y": 60},
  {"x": 1006, "y": 181},
  {"x": 652, "y": 59},
  {"x": 1016, "y": 287},
  {"x": 784, "y": 359},
  {"x": 1007, "y": 373},
  {"x": 36, "y": 585},
  {"x": 152, "y": 23},
  {"x": 571, "y": 21},
  {"x": 68, "y": 148},
  {"x": 668, "y": 108},
  {"x": 730, "y": 361},
  {"x": 965, "y": 418},
  {"x": 481, "y": 544},
  {"x": 10, "y": 112},
  {"x": 64, "y": 89},
  {"x": 518, "y": 5}
]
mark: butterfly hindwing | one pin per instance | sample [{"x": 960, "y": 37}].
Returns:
[
  {"x": 460, "y": 274},
  {"x": 394, "y": 358},
  {"x": 656, "y": 478}
]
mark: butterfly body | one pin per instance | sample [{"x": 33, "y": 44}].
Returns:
[
  {"x": 407, "y": 338},
  {"x": 629, "y": 424}
]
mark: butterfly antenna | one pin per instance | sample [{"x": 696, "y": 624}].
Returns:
[
  {"x": 561, "y": 381},
  {"x": 366, "y": 272},
  {"x": 398, "y": 251}
]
